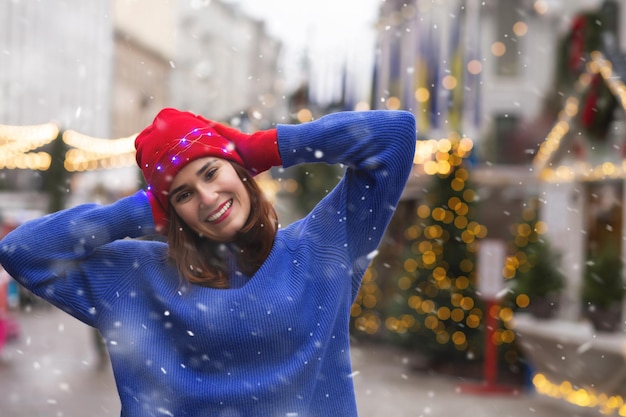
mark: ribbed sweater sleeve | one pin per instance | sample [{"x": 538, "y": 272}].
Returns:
[
  {"x": 378, "y": 148},
  {"x": 51, "y": 255}
]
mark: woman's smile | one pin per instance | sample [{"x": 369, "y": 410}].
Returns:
[{"x": 221, "y": 213}]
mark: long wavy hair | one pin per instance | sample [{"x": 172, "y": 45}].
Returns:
[{"x": 205, "y": 262}]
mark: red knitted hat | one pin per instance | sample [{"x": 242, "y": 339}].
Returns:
[{"x": 174, "y": 139}]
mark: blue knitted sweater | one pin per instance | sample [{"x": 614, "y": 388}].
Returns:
[{"x": 276, "y": 345}]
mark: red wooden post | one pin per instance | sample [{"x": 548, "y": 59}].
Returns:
[{"x": 490, "y": 263}]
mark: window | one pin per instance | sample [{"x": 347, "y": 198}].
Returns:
[{"x": 505, "y": 133}]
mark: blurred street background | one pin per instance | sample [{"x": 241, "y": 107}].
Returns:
[
  {"x": 502, "y": 268},
  {"x": 56, "y": 371}
]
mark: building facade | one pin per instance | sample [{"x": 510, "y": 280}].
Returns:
[{"x": 104, "y": 70}]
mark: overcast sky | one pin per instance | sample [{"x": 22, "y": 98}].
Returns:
[
  {"x": 310, "y": 23},
  {"x": 329, "y": 32}
]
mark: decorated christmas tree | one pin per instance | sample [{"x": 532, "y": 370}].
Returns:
[
  {"x": 533, "y": 268},
  {"x": 435, "y": 309}
]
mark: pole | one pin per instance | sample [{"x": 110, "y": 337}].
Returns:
[{"x": 489, "y": 385}]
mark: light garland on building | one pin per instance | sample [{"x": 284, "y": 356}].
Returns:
[
  {"x": 91, "y": 153},
  {"x": 582, "y": 397},
  {"x": 16, "y": 142},
  {"x": 581, "y": 170}
]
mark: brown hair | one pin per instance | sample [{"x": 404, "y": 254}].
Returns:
[{"x": 202, "y": 261}]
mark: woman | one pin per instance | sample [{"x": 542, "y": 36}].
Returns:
[{"x": 230, "y": 317}]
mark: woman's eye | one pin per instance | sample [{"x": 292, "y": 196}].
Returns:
[
  {"x": 210, "y": 173},
  {"x": 182, "y": 196}
]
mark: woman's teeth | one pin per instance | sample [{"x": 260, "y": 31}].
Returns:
[{"x": 220, "y": 213}]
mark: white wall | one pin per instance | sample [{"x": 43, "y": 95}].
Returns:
[{"x": 563, "y": 210}]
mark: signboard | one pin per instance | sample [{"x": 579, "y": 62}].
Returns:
[{"x": 491, "y": 255}]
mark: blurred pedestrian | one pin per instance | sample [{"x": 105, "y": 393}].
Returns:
[{"x": 232, "y": 315}]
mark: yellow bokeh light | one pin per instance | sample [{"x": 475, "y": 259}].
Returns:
[
  {"x": 459, "y": 338},
  {"x": 467, "y": 303},
  {"x": 431, "y": 322},
  {"x": 404, "y": 283},
  {"x": 412, "y": 232},
  {"x": 439, "y": 273},
  {"x": 462, "y": 174},
  {"x": 467, "y": 237},
  {"x": 541, "y": 227},
  {"x": 422, "y": 95},
  {"x": 462, "y": 283},
  {"x": 469, "y": 195},
  {"x": 410, "y": 265},
  {"x": 444, "y": 146},
  {"x": 442, "y": 156},
  {"x": 443, "y": 168},
  {"x": 524, "y": 230},
  {"x": 304, "y": 115},
  {"x": 425, "y": 246},
  {"x": 529, "y": 214},
  {"x": 415, "y": 302},
  {"x": 498, "y": 49},
  {"x": 460, "y": 222},
  {"x": 474, "y": 67},
  {"x": 430, "y": 167},
  {"x": 428, "y": 306},
  {"x": 461, "y": 208},
  {"x": 472, "y": 321},
  {"x": 506, "y": 314},
  {"x": 438, "y": 214},
  {"x": 393, "y": 103},
  {"x": 508, "y": 272},
  {"x": 443, "y": 313},
  {"x": 453, "y": 201},
  {"x": 522, "y": 300},
  {"x": 457, "y": 315},
  {"x": 370, "y": 301},
  {"x": 541, "y": 6},
  {"x": 457, "y": 184},
  {"x": 449, "y": 82},
  {"x": 423, "y": 211},
  {"x": 520, "y": 28}
]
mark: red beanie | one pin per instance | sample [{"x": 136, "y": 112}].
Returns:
[{"x": 174, "y": 139}]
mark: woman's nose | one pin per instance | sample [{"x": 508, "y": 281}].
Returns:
[{"x": 208, "y": 196}]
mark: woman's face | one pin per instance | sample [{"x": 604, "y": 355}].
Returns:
[{"x": 208, "y": 195}]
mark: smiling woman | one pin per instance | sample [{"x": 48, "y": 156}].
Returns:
[{"x": 231, "y": 316}]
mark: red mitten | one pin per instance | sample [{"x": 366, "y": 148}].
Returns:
[{"x": 258, "y": 150}]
